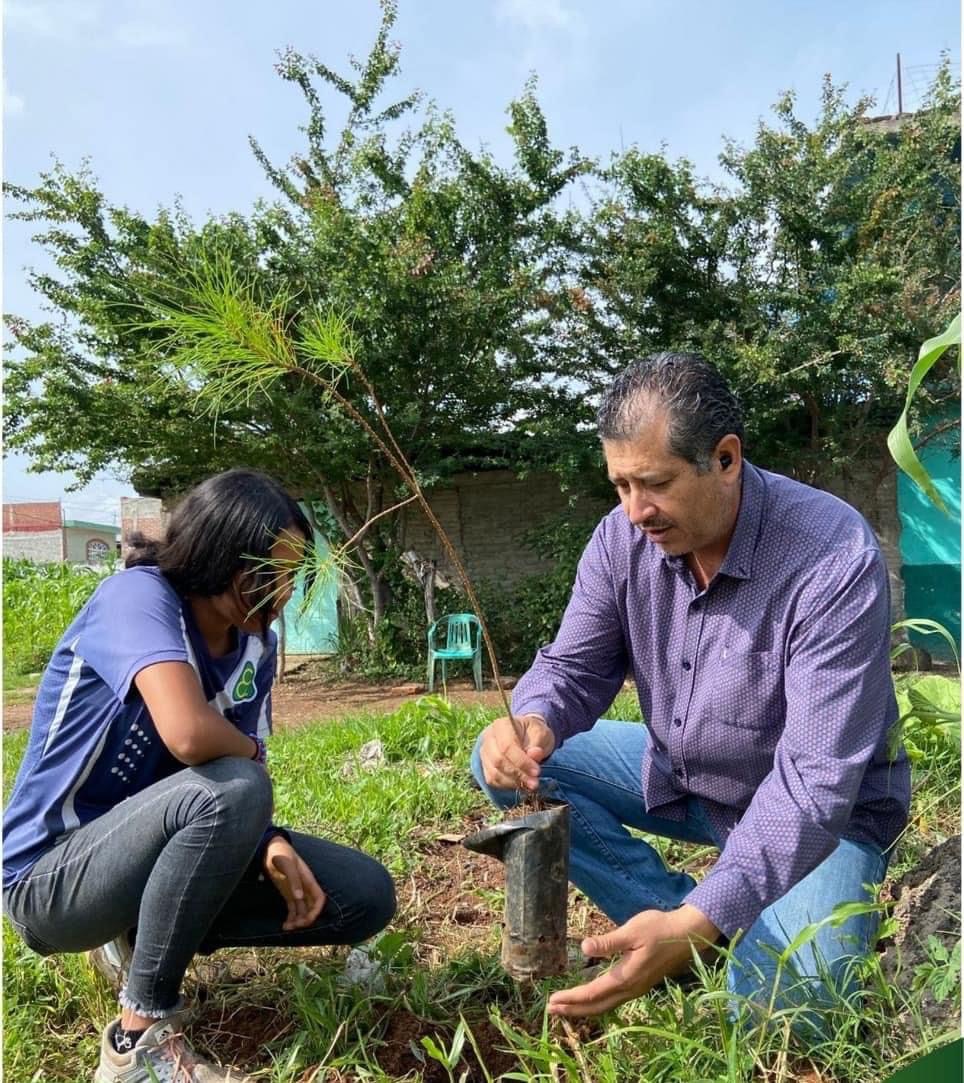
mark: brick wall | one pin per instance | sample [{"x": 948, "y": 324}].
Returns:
[
  {"x": 872, "y": 489},
  {"x": 32, "y": 516},
  {"x": 145, "y": 514},
  {"x": 485, "y": 515}
]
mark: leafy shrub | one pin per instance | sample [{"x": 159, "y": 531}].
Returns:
[
  {"x": 39, "y": 602},
  {"x": 398, "y": 648},
  {"x": 929, "y": 707},
  {"x": 521, "y": 618}
]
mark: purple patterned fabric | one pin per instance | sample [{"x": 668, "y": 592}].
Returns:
[{"x": 768, "y": 695}]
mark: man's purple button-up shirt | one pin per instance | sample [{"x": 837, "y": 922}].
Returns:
[{"x": 768, "y": 695}]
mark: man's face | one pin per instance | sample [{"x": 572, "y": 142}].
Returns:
[{"x": 679, "y": 509}]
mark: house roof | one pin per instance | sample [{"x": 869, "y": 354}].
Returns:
[{"x": 104, "y": 528}]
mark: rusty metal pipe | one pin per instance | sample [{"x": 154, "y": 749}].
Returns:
[{"x": 535, "y": 852}]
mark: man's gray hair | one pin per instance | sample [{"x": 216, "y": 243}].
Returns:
[{"x": 701, "y": 409}]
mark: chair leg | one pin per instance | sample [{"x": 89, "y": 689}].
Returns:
[
  {"x": 431, "y": 673},
  {"x": 477, "y": 672}
]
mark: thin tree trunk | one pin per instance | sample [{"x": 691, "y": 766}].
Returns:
[
  {"x": 341, "y": 512},
  {"x": 428, "y": 592},
  {"x": 282, "y": 643}
]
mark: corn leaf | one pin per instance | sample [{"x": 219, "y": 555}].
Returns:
[{"x": 898, "y": 440}]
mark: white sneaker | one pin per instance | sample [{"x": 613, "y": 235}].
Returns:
[
  {"x": 113, "y": 960},
  {"x": 162, "y": 1055}
]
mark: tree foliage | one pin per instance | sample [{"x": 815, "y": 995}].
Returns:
[{"x": 491, "y": 302}]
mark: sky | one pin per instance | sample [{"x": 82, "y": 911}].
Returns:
[{"x": 161, "y": 95}]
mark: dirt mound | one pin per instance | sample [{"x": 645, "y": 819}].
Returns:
[{"x": 927, "y": 908}]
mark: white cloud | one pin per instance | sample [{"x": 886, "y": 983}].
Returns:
[
  {"x": 547, "y": 37},
  {"x": 51, "y": 18},
  {"x": 132, "y": 28},
  {"x": 13, "y": 104}
]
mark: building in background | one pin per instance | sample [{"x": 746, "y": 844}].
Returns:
[
  {"x": 37, "y": 530},
  {"x": 144, "y": 515},
  {"x": 930, "y": 539}
]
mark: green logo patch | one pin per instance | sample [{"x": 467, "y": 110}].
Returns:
[{"x": 244, "y": 686}]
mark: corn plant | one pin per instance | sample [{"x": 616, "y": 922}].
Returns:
[
  {"x": 39, "y": 602},
  {"x": 898, "y": 440}
]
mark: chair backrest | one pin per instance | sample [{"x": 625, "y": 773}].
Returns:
[{"x": 461, "y": 633}]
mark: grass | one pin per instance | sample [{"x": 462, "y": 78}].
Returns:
[
  {"x": 20, "y": 687},
  {"x": 446, "y": 1008}
]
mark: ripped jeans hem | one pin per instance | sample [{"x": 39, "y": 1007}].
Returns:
[{"x": 133, "y": 1005}]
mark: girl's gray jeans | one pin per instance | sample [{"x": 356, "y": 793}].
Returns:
[{"x": 176, "y": 863}]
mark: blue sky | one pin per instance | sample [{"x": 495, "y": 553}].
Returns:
[{"x": 161, "y": 96}]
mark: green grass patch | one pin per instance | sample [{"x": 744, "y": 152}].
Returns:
[{"x": 439, "y": 1003}]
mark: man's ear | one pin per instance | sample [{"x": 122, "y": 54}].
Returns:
[{"x": 729, "y": 454}]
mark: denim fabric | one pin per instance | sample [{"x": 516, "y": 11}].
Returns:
[
  {"x": 175, "y": 861},
  {"x": 598, "y": 773}
]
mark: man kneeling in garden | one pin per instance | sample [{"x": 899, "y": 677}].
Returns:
[{"x": 753, "y": 614}]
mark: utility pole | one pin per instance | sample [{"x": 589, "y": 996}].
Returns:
[{"x": 900, "y": 93}]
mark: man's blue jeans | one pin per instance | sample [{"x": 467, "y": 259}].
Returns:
[{"x": 599, "y": 773}]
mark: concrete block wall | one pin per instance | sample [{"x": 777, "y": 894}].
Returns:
[
  {"x": 485, "y": 515},
  {"x": 41, "y": 546}
]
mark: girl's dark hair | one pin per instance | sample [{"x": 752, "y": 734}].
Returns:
[{"x": 226, "y": 524}]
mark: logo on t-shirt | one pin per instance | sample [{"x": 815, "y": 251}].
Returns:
[{"x": 244, "y": 687}]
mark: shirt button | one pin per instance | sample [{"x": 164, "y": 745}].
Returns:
[
  {"x": 686, "y": 664},
  {"x": 678, "y": 771},
  {"x": 677, "y": 721}
]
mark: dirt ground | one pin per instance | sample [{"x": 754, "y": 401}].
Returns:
[
  {"x": 299, "y": 699},
  {"x": 454, "y": 901}
]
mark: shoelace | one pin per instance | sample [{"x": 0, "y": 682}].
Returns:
[{"x": 176, "y": 1049}]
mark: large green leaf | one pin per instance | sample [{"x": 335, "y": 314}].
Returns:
[
  {"x": 898, "y": 440},
  {"x": 929, "y": 708},
  {"x": 924, "y": 626}
]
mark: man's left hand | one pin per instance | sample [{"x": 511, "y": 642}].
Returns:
[{"x": 652, "y": 945}]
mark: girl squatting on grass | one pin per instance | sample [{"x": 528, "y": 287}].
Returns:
[{"x": 141, "y": 814}]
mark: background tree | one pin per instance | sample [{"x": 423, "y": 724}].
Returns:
[
  {"x": 441, "y": 256},
  {"x": 492, "y": 302},
  {"x": 845, "y": 250}
]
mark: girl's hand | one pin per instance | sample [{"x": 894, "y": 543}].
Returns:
[{"x": 296, "y": 883}]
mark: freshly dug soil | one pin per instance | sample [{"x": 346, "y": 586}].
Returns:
[{"x": 403, "y": 1052}]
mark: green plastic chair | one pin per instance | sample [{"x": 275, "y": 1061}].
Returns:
[{"x": 463, "y": 639}]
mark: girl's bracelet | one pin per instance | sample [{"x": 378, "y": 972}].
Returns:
[{"x": 260, "y": 754}]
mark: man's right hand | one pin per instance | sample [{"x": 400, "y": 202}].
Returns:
[{"x": 512, "y": 750}]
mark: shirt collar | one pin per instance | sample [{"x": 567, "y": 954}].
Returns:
[{"x": 738, "y": 562}]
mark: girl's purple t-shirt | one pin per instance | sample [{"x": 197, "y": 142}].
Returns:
[{"x": 92, "y": 741}]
